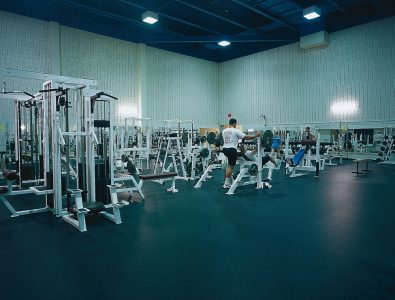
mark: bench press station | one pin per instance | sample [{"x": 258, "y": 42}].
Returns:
[{"x": 160, "y": 177}]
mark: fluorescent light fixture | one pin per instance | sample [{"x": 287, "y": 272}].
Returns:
[
  {"x": 150, "y": 17},
  {"x": 344, "y": 107},
  {"x": 224, "y": 43},
  {"x": 312, "y": 12}
]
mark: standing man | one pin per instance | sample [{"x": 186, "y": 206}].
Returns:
[{"x": 231, "y": 137}]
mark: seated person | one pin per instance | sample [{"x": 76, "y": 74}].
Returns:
[
  {"x": 308, "y": 134},
  {"x": 308, "y": 137},
  {"x": 251, "y": 155}
]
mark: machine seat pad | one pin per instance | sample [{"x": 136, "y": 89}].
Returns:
[
  {"x": 157, "y": 176},
  {"x": 10, "y": 175}
]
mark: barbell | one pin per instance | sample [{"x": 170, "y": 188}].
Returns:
[
  {"x": 211, "y": 138},
  {"x": 220, "y": 140},
  {"x": 265, "y": 139},
  {"x": 204, "y": 153}
]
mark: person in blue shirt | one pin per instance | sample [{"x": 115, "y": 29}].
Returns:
[{"x": 276, "y": 144}]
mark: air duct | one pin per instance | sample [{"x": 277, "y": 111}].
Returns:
[{"x": 318, "y": 39}]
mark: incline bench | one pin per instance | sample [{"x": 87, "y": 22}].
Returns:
[
  {"x": 358, "y": 161},
  {"x": 161, "y": 177}
]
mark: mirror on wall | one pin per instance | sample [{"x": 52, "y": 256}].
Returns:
[{"x": 362, "y": 140}]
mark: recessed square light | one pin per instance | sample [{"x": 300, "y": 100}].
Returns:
[
  {"x": 312, "y": 12},
  {"x": 150, "y": 17},
  {"x": 224, "y": 43}
]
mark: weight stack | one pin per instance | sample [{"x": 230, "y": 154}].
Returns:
[{"x": 102, "y": 192}]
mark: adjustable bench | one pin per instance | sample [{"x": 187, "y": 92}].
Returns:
[
  {"x": 162, "y": 177},
  {"x": 358, "y": 161},
  {"x": 294, "y": 161}
]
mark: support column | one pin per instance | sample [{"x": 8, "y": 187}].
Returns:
[{"x": 141, "y": 79}]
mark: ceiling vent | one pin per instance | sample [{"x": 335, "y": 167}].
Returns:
[{"x": 318, "y": 39}]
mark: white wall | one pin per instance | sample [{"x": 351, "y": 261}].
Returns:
[
  {"x": 23, "y": 45},
  {"x": 110, "y": 61},
  {"x": 290, "y": 85},
  {"x": 148, "y": 82},
  {"x": 181, "y": 87},
  {"x": 287, "y": 84}
]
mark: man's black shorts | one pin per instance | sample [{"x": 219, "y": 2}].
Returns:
[{"x": 231, "y": 154}]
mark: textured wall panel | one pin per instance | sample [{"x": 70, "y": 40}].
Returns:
[
  {"x": 290, "y": 85},
  {"x": 23, "y": 45},
  {"x": 110, "y": 61},
  {"x": 180, "y": 87}
]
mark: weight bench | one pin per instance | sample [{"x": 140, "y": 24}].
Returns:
[
  {"x": 358, "y": 161},
  {"x": 294, "y": 161},
  {"x": 162, "y": 177}
]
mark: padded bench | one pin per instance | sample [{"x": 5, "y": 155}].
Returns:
[
  {"x": 358, "y": 161},
  {"x": 10, "y": 175},
  {"x": 157, "y": 176},
  {"x": 162, "y": 176}
]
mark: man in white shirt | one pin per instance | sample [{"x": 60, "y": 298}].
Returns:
[{"x": 231, "y": 137}]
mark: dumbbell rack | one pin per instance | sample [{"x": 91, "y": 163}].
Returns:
[{"x": 170, "y": 153}]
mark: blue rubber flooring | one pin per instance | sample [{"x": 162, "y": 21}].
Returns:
[{"x": 331, "y": 237}]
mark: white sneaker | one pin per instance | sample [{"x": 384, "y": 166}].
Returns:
[
  {"x": 267, "y": 185},
  {"x": 226, "y": 186}
]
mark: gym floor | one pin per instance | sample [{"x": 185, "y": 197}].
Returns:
[{"x": 306, "y": 238}]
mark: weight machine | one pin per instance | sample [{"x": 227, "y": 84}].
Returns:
[
  {"x": 66, "y": 149},
  {"x": 131, "y": 147},
  {"x": 198, "y": 153},
  {"x": 30, "y": 146},
  {"x": 250, "y": 167},
  {"x": 303, "y": 159},
  {"x": 245, "y": 164},
  {"x": 136, "y": 139},
  {"x": 93, "y": 174},
  {"x": 171, "y": 141}
]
